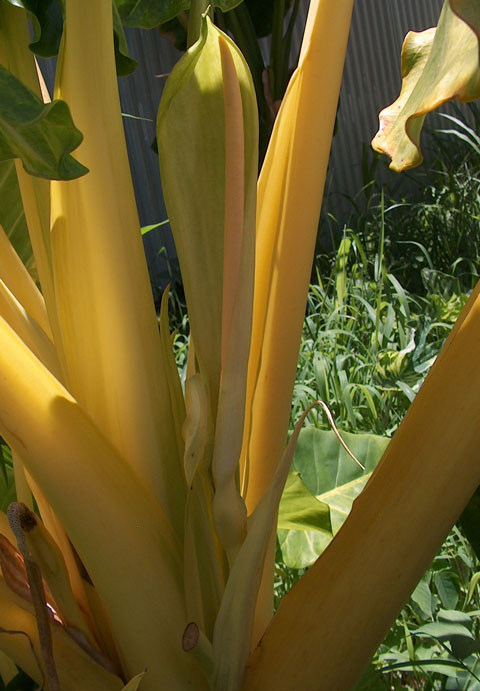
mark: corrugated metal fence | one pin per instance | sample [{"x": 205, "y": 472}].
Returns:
[{"x": 371, "y": 81}]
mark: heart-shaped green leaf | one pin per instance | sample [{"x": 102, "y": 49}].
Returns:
[
  {"x": 41, "y": 135},
  {"x": 334, "y": 479},
  {"x": 438, "y": 65}
]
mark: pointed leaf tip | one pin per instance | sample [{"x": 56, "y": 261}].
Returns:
[{"x": 40, "y": 135}]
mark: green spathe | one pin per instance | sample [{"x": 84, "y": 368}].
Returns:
[
  {"x": 42, "y": 136},
  {"x": 191, "y": 146}
]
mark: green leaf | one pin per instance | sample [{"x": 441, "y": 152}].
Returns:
[
  {"x": 422, "y": 598},
  {"x": 447, "y": 587},
  {"x": 147, "y": 14},
  {"x": 325, "y": 465},
  {"x": 47, "y": 22},
  {"x": 301, "y": 548},
  {"x": 300, "y": 510},
  {"x": 438, "y": 65},
  {"x": 41, "y": 135},
  {"x": 455, "y": 617},
  {"x": 261, "y": 13},
  {"x": 226, "y": 5},
  {"x": 12, "y": 217},
  {"x": 334, "y": 478},
  {"x": 442, "y": 631},
  {"x": 124, "y": 63}
]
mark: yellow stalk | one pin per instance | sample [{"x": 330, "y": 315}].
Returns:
[
  {"x": 28, "y": 330},
  {"x": 14, "y": 274},
  {"x": 289, "y": 198},
  {"x": 421, "y": 471},
  {"x": 16, "y": 56},
  {"x": 46, "y": 553},
  {"x": 110, "y": 335},
  {"x": 96, "y": 494},
  {"x": 78, "y": 585}
]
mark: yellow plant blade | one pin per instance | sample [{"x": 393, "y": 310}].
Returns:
[
  {"x": 28, "y": 330},
  {"x": 112, "y": 519},
  {"x": 288, "y": 207},
  {"x": 19, "y": 640},
  {"x": 46, "y": 553},
  {"x": 438, "y": 65},
  {"x": 197, "y": 428},
  {"x": 36, "y": 204},
  {"x": 203, "y": 558},
  {"x": 115, "y": 364},
  {"x": 14, "y": 274},
  {"x": 231, "y": 639},
  {"x": 8, "y": 669},
  {"x": 35, "y": 192},
  {"x": 289, "y": 198},
  {"x": 56, "y": 530},
  {"x": 205, "y": 566},
  {"x": 432, "y": 461}
]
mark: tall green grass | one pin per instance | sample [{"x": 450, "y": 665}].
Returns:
[{"x": 368, "y": 342}]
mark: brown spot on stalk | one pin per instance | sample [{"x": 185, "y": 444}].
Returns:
[
  {"x": 195, "y": 642},
  {"x": 18, "y": 514}
]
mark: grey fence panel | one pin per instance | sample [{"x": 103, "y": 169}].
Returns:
[
  {"x": 140, "y": 96},
  {"x": 371, "y": 81}
]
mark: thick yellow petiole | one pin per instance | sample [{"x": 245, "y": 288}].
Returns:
[
  {"x": 114, "y": 360},
  {"x": 290, "y": 192},
  {"x": 122, "y": 528}
]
